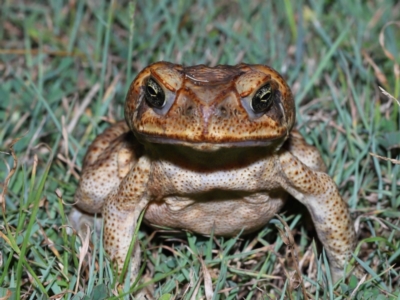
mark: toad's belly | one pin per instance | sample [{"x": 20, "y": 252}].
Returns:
[{"x": 226, "y": 214}]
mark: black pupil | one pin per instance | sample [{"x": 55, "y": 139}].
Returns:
[
  {"x": 262, "y": 99},
  {"x": 154, "y": 94}
]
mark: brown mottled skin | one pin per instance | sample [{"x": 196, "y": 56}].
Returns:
[{"x": 205, "y": 159}]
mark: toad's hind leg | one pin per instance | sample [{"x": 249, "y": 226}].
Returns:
[
  {"x": 107, "y": 162},
  {"x": 306, "y": 153}
]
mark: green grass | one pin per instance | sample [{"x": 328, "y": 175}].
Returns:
[{"x": 56, "y": 54}]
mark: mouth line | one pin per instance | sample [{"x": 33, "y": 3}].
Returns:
[{"x": 185, "y": 142}]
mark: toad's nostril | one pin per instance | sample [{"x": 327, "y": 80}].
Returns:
[
  {"x": 223, "y": 111},
  {"x": 189, "y": 110}
]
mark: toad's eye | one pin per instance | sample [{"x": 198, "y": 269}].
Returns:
[
  {"x": 262, "y": 99},
  {"x": 154, "y": 94}
]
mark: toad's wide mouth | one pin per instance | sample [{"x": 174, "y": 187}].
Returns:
[{"x": 212, "y": 145}]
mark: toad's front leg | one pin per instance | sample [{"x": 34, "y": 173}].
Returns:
[
  {"x": 318, "y": 192},
  {"x": 121, "y": 212}
]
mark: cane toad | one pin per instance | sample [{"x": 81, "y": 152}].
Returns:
[{"x": 207, "y": 149}]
